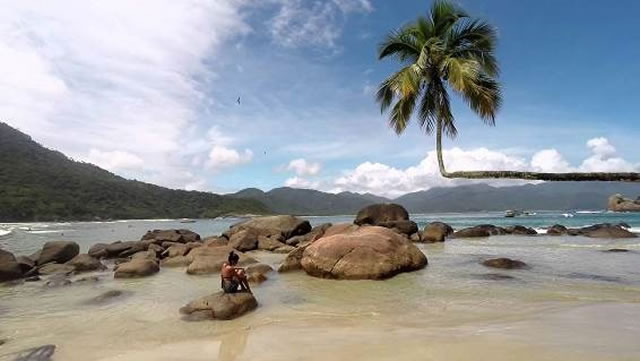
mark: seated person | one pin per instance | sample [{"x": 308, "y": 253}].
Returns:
[{"x": 233, "y": 277}]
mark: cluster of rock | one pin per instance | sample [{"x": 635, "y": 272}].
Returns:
[
  {"x": 602, "y": 230},
  {"x": 618, "y": 203}
]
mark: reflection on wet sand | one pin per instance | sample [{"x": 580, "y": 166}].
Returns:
[{"x": 233, "y": 344}]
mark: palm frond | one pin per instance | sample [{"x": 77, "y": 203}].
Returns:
[
  {"x": 474, "y": 39},
  {"x": 444, "y": 15},
  {"x": 401, "y": 44}
]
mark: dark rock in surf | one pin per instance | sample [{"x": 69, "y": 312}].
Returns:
[
  {"x": 10, "y": 269},
  {"x": 504, "y": 263},
  {"x": 26, "y": 263},
  {"x": 219, "y": 306},
  {"x": 98, "y": 250},
  {"x": 521, "y": 230},
  {"x": 84, "y": 263},
  {"x": 557, "y": 230},
  {"x": 159, "y": 236},
  {"x": 105, "y": 297},
  {"x": 55, "y": 268},
  {"x": 436, "y": 232},
  {"x": 483, "y": 230},
  {"x": 58, "y": 251},
  {"x": 140, "y": 267}
]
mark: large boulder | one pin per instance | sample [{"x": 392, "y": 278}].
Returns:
[
  {"x": 293, "y": 260},
  {"x": 557, "y": 230},
  {"x": 340, "y": 228},
  {"x": 605, "y": 230},
  {"x": 436, "y": 232},
  {"x": 256, "y": 273},
  {"x": 116, "y": 248},
  {"x": 219, "y": 306},
  {"x": 58, "y": 251},
  {"x": 483, "y": 230},
  {"x": 269, "y": 244},
  {"x": 618, "y": 203},
  {"x": 376, "y": 214},
  {"x": 9, "y": 267},
  {"x": 207, "y": 260},
  {"x": 276, "y": 227},
  {"x": 83, "y": 263},
  {"x": 140, "y": 267},
  {"x": 98, "y": 250},
  {"x": 178, "y": 261},
  {"x": 315, "y": 233},
  {"x": 244, "y": 240},
  {"x": 56, "y": 268},
  {"x": 171, "y": 235},
  {"x": 405, "y": 227},
  {"x": 215, "y": 241},
  {"x": 370, "y": 252},
  {"x": 520, "y": 230},
  {"x": 177, "y": 250},
  {"x": 26, "y": 263}
]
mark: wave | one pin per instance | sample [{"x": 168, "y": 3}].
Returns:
[
  {"x": 541, "y": 230},
  {"x": 589, "y": 212},
  {"x": 4, "y": 232},
  {"x": 634, "y": 229},
  {"x": 50, "y": 231}
]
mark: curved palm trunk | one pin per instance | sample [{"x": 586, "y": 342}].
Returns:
[{"x": 506, "y": 174}]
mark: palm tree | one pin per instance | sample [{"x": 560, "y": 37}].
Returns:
[{"x": 448, "y": 50}]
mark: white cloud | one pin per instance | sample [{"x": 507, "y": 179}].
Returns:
[
  {"x": 306, "y": 24},
  {"x": 222, "y": 157},
  {"x": 302, "y": 167},
  {"x": 601, "y": 147},
  {"x": 604, "y": 158},
  {"x": 549, "y": 160},
  {"x": 114, "y": 160},
  {"x": 299, "y": 182}
]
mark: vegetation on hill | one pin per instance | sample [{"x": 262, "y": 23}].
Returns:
[{"x": 39, "y": 184}]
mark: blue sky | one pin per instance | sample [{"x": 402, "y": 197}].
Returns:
[{"x": 148, "y": 90}]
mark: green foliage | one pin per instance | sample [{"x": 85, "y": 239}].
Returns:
[{"x": 39, "y": 184}]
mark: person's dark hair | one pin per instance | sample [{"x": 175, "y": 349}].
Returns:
[{"x": 233, "y": 258}]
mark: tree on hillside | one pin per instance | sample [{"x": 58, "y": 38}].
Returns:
[{"x": 448, "y": 50}]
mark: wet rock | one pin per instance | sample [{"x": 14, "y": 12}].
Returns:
[
  {"x": 483, "y": 230},
  {"x": 405, "y": 227},
  {"x": 605, "y": 230},
  {"x": 279, "y": 228},
  {"x": 617, "y": 250},
  {"x": 42, "y": 353},
  {"x": 370, "y": 252},
  {"x": 10, "y": 269},
  {"x": 504, "y": 263},
  {"x": 292, "y": 261},
  {"x": 315, "y": 233},
  {"x": 58, "y": 251},
  {"x": 244, "y": 240},
  {"x": 219, "y": 306},
  {"x": 148, "y": 254},
  {"x": 26, "y": 263},
  {"x": 105, "y": 297},
  {"x": 136, "y": 247},
  {"x": 256, "y": 273},
  {"x": 436, "y": 232},
  {"x": 624, "y": 225},
  {"x": 557, "y": 230},
  {"x": 57, "y": 280},
  {"x": 594, "y": 277},
  {"x": 3, "y": 341},
  {"x": 269, "y": 244},
  {"x": 157, "y": 249},
  {"x": 176, "y": 250},
  {"x": 55, "y": 268},
  {"x": 376, "y": 214},
  {"x": 207, "y": 260},
  {"x": 116, "y": 248},
  {"x": 88, "y": 279},
  {"x": 521, "y": 230},
  {"x": 140, "y": 267},
  {"x": 84, "y": 263},
  {"x": 618, "y": 203},
  {"x": 495, "y": 277},
  {"x": 178, "y": 261},
  {"x": 416, "y": 237},
  {"x": 171, "y": 235},
  {"x": 215, "y": 241},
  {"x": 98, "y": 250}
]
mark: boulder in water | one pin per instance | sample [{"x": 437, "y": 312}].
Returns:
[
  {"x": 83, "y": 263},
  {"x": 244, "y": 240},
  {"x": 405, "y": 226},
  {"x": 279, "y": 228},
  {"x": 105, "y": 297},
  {"x": 10, "y": 269},
  {"x": 55, "y": 268},
  {"x": 98, "y": 250},
  {"x": 557, "y": 230},
  {"x": 618, "y": 203},
  {"x": 315, "y": 233},
  {"x": 521, "y": 230},
  {"x": 178, "y": 261},
  {"x": 605, "y": 230},
  {"x": 207, "y": 260},
  {"x": 436, "y": 232},
  {"x": 219, "y": 306},
  {"x": 58, "y": 251},
  {"x": 483, "y": 230},
  {"x": 140, "y": 267},
  {"x": 370, "y": 252},
  {"x": 376, "y": 214},
  {"x": 159, "y": 236},
  {"x": 504, "y": 263}
]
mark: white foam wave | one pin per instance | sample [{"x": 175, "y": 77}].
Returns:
[
  {"x": 50, "y": 231},
  {"x": 541, "y": 230},
  {"x": 4, "y": 232},
  {"x": 589, "y": 212},
  {"x": 634, "y": 229}
]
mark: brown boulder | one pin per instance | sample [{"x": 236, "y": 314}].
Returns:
[
  {"x": 26, "y": 263},
  {"x": 207, "y": 260},
  {"x": 83, "y": 262},
  {"x": 557, "y": 230},
  {"x": 140, "y": 267},
  {"x": 276, "y": 227},
  {"x": 55, "y": 268},
  {"x": 436, "y": 232},
  {"x": 340, "y": 228},
  {"x": 216, "y": 241},
  {"x": 618, "y": 203},
  {"x": 292, "y": 261},
  {"x": 58, "y": 251},
  {"x": 405, "y": 227},
  {"x": 371, "y": 252},
  {"x": 520, "y": 230},
  {"x": 220, "y": 306},
  {"x": 171, "y": 235},
  {"x": 483, "y": 230},
  {"x": 148, "y": 254},
  {"x": 178, "y": 261},
  {"x": 244, "y": 240},
  {"x": 256, "y": 273},
  {"x": 315, "y": 233},
  {"x": 177, "y": 250},
  {"x": 606, "y": 230},
  {"x": 380, "y": 213},
  {"x": 116, "y": 248},
  {"x": 9, "y": 267},
  {"x": 504, "y": 263},
  {"x": 269, "y": 244},
  {"x": 98, "y": 250}
]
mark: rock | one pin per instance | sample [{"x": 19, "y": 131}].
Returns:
[
  {"x": 284, "y": 249},
  {"x": 618, "y": 203},
  {"x": 275, "y": 227},
  {"x": 216, "y": 241},
  {"x": 376, "y": 214},
  {"x": 405, "y": 227},
  {"x": 172, "y": 235},
  {"x": 244, "y": 240},
  {"x": 156, "y": 249},
  {"x": 117, "y": 248},
  {"x": 83, "y": 263},
  {"x": 315, "y": 233},
  {"x": 207, "y": 260},
  {"x": 495, "y": 277},
  {"x": 10, "y": 269},
  {"x": 557, "y": 230},
  {"x": 42, "y": 353},
  {"x": 504, "y": 263},
  {"x": 256, "y": 278},
  {"x": 98, "y": 250},
  {"x": 148, "y": 254},
  {"x": 416, "y": 237},
  {"x": 177, "y": 250},
  {"x": 483, "y": 230},
  {"x": 26, "y": 263},
  {"x": 165, "y": 245},
  {"x": 521, "y": 230},
  {"x": 58, "y": 251},
  {"x": 605, "y": 230},
  {"x": 370, "y": 252},
  {"x": 135, "y": 248},
  {"x": 624, "y": 225},
  {"x": 35, "y": 255},
  {"x": 32, "y": 279},
  {"x": 220, "y": 306},
  {"x": 178, "y": 261},
  {"x": 136, "y": 268},
  {"x": 269, "y": 244},
  {"x": 55, "y": 282},
  {"x": 55, "y": 268},
  {"x": 617, "y": 250},
  {"x": 292, "y": 261},
  {"x": 259, "y": 268},
  {"x": 340, "y": 228},
  {"x": 105, "y": 297},
  {"x": 436, "y": 232},
  {"x": 88, "y": 279}
]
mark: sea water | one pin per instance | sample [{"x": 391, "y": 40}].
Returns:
[{"x": 575, "y": 302}]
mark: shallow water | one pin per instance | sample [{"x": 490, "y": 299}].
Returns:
[{"x": 574, "y": 303}]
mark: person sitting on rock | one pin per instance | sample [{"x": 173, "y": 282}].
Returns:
[{"x": 233, "y": 277}]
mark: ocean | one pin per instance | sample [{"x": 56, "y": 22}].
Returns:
[{"x": 575, "y": 302}]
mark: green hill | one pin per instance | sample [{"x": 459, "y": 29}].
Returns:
[{"x": 39, "y": 184}]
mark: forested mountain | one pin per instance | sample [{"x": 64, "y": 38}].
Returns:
[{"x": 39, "y": 184}]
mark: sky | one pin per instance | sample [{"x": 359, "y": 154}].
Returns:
[{"x": 149, "y": 90}]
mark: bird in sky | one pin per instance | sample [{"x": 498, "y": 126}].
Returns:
[{"x": 238, "y": 100}]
